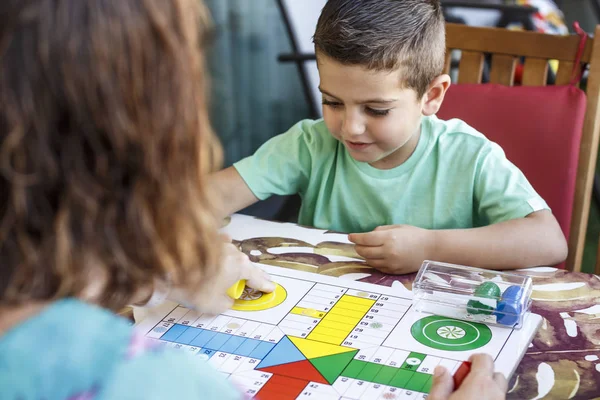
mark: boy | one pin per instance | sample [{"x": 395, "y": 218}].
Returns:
[{"x": 380, "y": 166}]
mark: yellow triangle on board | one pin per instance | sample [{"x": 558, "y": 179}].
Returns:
[{"x": 314, "y": 349}]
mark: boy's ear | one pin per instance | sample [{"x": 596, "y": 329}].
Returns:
[{"x": 433, "y": 98}]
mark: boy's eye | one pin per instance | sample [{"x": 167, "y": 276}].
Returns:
[
  {"x": 377, "y": 113},
  {"x": 332, "y": 104}
]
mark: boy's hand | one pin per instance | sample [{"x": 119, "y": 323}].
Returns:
[
  {"x": 480, "y": 383},
  {"x": 394, "y": 249}
]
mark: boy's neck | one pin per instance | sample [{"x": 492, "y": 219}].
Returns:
[{"x": 13, "y": 316}]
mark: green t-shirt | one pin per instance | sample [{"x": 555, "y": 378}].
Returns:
[{"x": 455, "y": 178}]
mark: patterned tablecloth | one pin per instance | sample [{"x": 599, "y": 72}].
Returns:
[{"x": 563, "y": 361}]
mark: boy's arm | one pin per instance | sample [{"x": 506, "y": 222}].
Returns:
[
  {"x": 233, "y": 191},
  {"x": 519, "y": 243}
]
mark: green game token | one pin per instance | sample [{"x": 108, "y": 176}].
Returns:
[
  {"x": 449, "y": 334},
  {"x": 477, "y": 307},
  {"x": 488, "y": 290}
]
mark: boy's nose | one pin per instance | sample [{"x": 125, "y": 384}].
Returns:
[{"x": 352, "y": 126}]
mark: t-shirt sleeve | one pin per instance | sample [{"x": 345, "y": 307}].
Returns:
[
  {"x": 502, "y": 192},
  {"x": 282, "y": 165}
]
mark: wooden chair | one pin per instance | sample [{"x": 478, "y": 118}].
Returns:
[{"x": 506, "y": 49}]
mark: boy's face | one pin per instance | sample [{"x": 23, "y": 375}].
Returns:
[{"x": 369, "y": 112}]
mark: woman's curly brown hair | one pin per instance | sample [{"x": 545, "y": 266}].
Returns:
[{"x": 105, "y": 147}]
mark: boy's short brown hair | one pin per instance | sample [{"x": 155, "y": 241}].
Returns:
[
  {"x": 385, "y": 35},
  {"x": 105, "y": 149}
]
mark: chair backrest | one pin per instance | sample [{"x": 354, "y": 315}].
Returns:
[
  {"x": 506, "y": 49},
  {"x": 301, "y": 18}
]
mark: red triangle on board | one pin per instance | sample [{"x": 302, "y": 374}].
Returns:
[{"x": 299, "y": 369}]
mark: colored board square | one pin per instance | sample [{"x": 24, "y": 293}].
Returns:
[
  {"x": 401, "y": 378},
  {"x": 351, "y": 305},
  {"x": 369, "y": 372},
  {"x": 268, "y": 394},
  {"x": 385, "y": 375},
  {"x": 354, "y": 308},
  {"x": 206, "y": 353},
  {"x": 358, "y": 300},
  {"x": 413, "y": 361},
  {"x": 354, "y": 368},
  {"x": 262, "y": 350},
  {"x": 332, "y": 366},
  {"x": 300, "y": 369},
  {"x": 330, "y": 323},
  {"x": 174, "y": 332},
  {"x": 324, "y": 338},
  {"x": 283, "y": 353},
  {"x": 427, "y": 387},
  {"x": 340, "y": 319},
  {"x": 355, "y": 315},
  {"x": 232, "y": 344},
  {"x": 332, "y": 332},
  {"x": 282, "y": 388},
  {"x": 217, "y": 341},
  {"x": 247, "y": 347},
  {"x": 417, "y": 381},
  {"x": 203, "y": 338},
  {"x": 288, "y": 382},
  {"x": 189, "y": 335}
]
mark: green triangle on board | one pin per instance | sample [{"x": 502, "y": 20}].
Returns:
[{"x": 332, "y": 366}]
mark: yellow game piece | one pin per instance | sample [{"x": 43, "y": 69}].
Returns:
[
  {"x": 254, "y": 300},
  {"x": 237, "y": 289}
]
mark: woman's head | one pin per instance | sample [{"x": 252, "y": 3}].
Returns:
[{"x": 105, "y": 147}]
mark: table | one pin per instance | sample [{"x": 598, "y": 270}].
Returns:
[{"x": 563, "y": 362}]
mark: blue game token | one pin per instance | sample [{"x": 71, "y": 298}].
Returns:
[
  {"x": 507, "y": 313},
  {"x": 513, "y": 294},
  {"x": 509, "y": 307}
]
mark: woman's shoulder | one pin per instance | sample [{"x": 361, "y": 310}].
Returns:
[
  {"x": 161, "y": 372},
  {"x": 76, "y": 350},
  {"x": 64, "y": 350}
]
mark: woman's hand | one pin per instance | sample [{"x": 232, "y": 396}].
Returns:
[
  {"x": 212, "y": 297},
  {"x": 480, "y": 383}
]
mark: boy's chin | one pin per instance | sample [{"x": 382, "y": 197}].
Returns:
[{"x": 364, "y": 158}]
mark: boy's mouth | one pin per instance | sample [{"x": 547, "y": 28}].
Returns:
[{"x": 356, "y": 145}]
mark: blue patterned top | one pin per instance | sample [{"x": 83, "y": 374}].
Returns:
[{"x": 76, "y": 351}]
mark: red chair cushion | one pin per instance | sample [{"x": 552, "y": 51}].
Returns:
[{"x": 539, "y": 128}]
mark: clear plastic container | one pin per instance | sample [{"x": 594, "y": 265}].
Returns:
[{"x": 472, "y": 294}]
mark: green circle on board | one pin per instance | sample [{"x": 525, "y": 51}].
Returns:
[{"x": 449, "y": 334}]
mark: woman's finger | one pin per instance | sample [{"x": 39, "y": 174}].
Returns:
[
  {"x": 501, "y": 381},
  {"x": 482, "y": 364},
  {"x": 442, "y": 385},
  {"x": 257, "y": 279}
]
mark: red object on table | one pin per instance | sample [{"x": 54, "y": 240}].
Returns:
[{"x": 461, "y": 373}]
